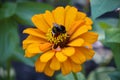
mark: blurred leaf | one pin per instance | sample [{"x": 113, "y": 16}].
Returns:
[
  {"x": 7, "y": 10},
  {"x": 99, "y": 7},
  {"x": 106, "y": 23},
  {"x": 115, "y": 75},
  {"x": 9, "y": 43},
  {"x": 70, "y": 77},
  {"x": 112, "y": 39},
  {"x": 9, "y": 39},
  {"x": 113, "y": 35},
  {"x": 26, "y": 10},
  {"x": 101, "y": 73}
]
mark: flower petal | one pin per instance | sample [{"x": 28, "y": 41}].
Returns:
[
  {"x": 80, "y": 16},
  {"x": 46, "y": 46},
  {"x": 48, "y": 71},
  {"x": 55, "y": 64},
  {"x": 76, "y": 67},
  {"x": 74, "y": 26},
  {"x": 49, "y": 18},
  {"x": 39, "y": 66},
  {"x": 29, "y": 55},
  {"x": 59, "y": 15},
  {"x": 88, "y": 23},
  {"x": 80, "y": 55},
  {"x": 87, "y": 45},
  {"x": 69, "y": 51},
  {"x": 70, "y": 16},
  {"x": 77, "y": 42},
  {"x": 45, "y": 57},
  {"x": 34, "y": 48},
  {"x": 40, "y": 23},
  {"x": 75, "y": 59},
  {"x": 25, "y": 46},
  {"x": 66, "y": 67},
  {"x": 32, "y": 39},
  {"x": 90, "y": 37},
  {"x": 79, "y": 31},
  {"x": 61, "y": 57},
  {"x": 67, "y": 8},
  {"x": 34, "y": 32},
  {"x": 89, "y": 53}
]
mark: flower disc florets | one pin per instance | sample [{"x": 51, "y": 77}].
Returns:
[{"x": 57, "y": 38}]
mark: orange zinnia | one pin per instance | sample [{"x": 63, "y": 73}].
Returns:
[{"x": 62, "y": 39}]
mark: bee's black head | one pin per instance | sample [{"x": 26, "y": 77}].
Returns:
[{"x": 57, "y": 29}]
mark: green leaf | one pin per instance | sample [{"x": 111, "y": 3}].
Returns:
[
  {"x": 70, "y": 77},
  {"x": 10, "y": 48},
  {"x": 7, "y": 10},
  {"x": 9, "y": 39},
  {"x": 99, "y": 7},
  {"x": 100, "y": 25},
  {"x": 116, "y": 52},
  {"x": 26, "y": 10},
  {"x": 115, "y": 75},
  {"x": 101, "y": 73},
  {"x": 104, "y": 25},
  {"x": 112, "y": 35},
  {"x": 112, "y": 39}
]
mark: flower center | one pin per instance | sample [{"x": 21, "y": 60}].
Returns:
[{"x": 57, "y": 36}]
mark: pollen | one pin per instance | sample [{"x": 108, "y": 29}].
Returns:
[{"x": 59, "y": 40}]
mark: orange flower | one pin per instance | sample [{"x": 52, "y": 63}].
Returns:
[{"x": 62, "y": 40}]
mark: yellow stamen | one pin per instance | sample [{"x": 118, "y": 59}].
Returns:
[{"x": 56, "y": 40}]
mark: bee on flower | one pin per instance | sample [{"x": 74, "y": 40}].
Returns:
[{"x": 62, "y": 39}]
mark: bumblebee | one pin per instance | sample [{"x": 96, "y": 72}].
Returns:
[{"x": 58, "y": 29}]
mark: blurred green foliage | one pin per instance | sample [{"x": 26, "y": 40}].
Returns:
[
  {"x": 26, "y": 10},
  {"x": 113, "y": 41},
  {"x": 114, "y": 75},
  {"x": 20, "y": 12},
  {"x": 101, "y": 73},
  {"x": 109, "y": 28},
  {"x": 99, "y": 7},
  {"x": 102, "y": 24},
  {"x": 7, "y": 10},
  {"x": 80, "y": 76},
  {"x": 11, "y": 15},
  {"x": 9, "y": 39},
  {"x": 14, "y": 14}
]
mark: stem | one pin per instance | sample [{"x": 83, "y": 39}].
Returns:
[
  {"x": 75, "y": 76},
  {"x": 8, "y": 70},
  {"x": 116, "y": 54},
  {"x": 83, "y": 69}
]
